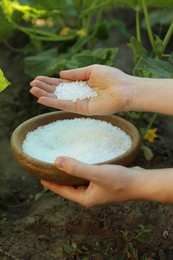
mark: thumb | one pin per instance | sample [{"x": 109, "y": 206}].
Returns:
[{"x": 76, "y": 168}]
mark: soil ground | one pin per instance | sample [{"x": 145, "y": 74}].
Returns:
[{"x": 41, "y": 225}]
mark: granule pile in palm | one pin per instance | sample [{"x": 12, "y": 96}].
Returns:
[
  {"x": 85, "y": 139},
  {"x": 74, "y": 91}
]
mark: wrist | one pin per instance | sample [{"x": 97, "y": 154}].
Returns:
[
  {"x": 125, "y": 92},
  {"x": 138, "y": 93},
  {"x": 137, "y": 185},
  {"x": 132, "y": 183},
  {"x": 149, "y": 95},
  {"x": 152, "y": 185}
]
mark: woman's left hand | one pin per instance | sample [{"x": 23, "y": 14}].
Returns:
[{"x": 107, "y": 183}]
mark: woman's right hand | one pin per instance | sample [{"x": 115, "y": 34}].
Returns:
[{"x": 110, "y": 84}]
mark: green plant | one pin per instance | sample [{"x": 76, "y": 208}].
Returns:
[
  {"x": 138, "y": 235},
  {"x": 155, "y": 62},
  {"x": 49, "y": 61},
  {"x": 40, "y": 194},
  {"x": 3, "y": 81},
  {"x": 60, "y": 35},
  {"x": 109, "y": 250},
  {"x": 73, "y": 249},
  {"x": 3, "y": 221}
]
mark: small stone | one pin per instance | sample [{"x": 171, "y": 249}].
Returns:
[
  {"x": 43, "y": 238},
  {"x": 165, "y": 234}
]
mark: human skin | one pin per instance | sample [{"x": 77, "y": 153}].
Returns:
[
  {"x": 116, "y": 91},
  {"x": 113, "y": 183},
  {"x": 109, "y": 83}
]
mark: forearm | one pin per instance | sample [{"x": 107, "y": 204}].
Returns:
[
  {"x": 151, "y": 95},
  {"x": 153, "y": 185}
]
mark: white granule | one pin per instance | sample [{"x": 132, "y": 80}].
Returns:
[
  {"x": 87, "y": 140},
  {"x": 73, "y": 91}
]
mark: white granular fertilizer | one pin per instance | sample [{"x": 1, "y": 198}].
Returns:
[
  {"x": 73, "y": 91},
  {"x": 85, "y": 139}
]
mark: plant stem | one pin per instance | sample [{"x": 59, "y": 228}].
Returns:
[
  {"x": 167, "y": 37},
  {"x": 151, "y": 122},
  {"x": 150, "y": 34},
  {"x": 166, "y": 55},
  {"x": 138, "y": 33}
]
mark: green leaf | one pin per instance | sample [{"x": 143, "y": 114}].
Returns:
[
  {"x": 142, "y": 131},
  {"x": 102, "y": 31},
  {"x": 5, "y": 26},
  {"x": 140, "y": 239},
  {"x": 40, "y": 194},
  {"x": 93, "y": 6},
  {"x": 42, "y": 64},
  {"x": 120, "y": 25},
  {"x": 137, "y": 47},
  {"x": 3, "y": 81},
  {"x": 137, "y": 4},
  {"x": 7, "y": 8},
  {"x": 159, "y": 45},
  {"x": 105, "y": 54},
  {"x": 132, "y": 3},
  {"x": 159, "y": 16},
  {"x": 147, "y": 152},
  {"x": 53, "y": 4},
  {"x": 154, "y": 68},
  {"x": 68, "y": 249},
  {"x": 87, "y": 57},
  {"x": 29, "y": 12},
  {"x": 160, "y": 3},
  {"x": 171, "y": 58},
  {"x": 49, "y": 62}
]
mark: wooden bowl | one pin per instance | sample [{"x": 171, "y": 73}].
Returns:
[{"x": 48, "y": 171}]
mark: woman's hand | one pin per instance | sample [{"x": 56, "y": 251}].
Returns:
[
  {"x": 113, "y": 183},
  {"x": 108, "y": 183},
  {"x": 111, "y": 85}
]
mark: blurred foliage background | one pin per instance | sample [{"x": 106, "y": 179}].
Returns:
[{"x": 62, "y": 34}]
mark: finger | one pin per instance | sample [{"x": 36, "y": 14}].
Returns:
[
  {"x": 76, "y": 168},
  {"x": 69, "y": 192},
  {"x": 38, "y": 92},
  {"x": 45, "y": 86},
  {"x": 50, "y": 81},
  {"x": 48, "y": 84},
  {"x": 80, "y": 107},
  {"x": 76, "y": 74}
]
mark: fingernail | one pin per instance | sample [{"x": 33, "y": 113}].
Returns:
[
  {"x": 42, "y": 182},
  {"x": 60, "y": 162}
]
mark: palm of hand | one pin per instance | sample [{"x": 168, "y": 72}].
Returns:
[{"x": 103, "y": 81}]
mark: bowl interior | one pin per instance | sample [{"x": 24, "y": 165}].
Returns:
[{"x": 48, "y": 171}]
